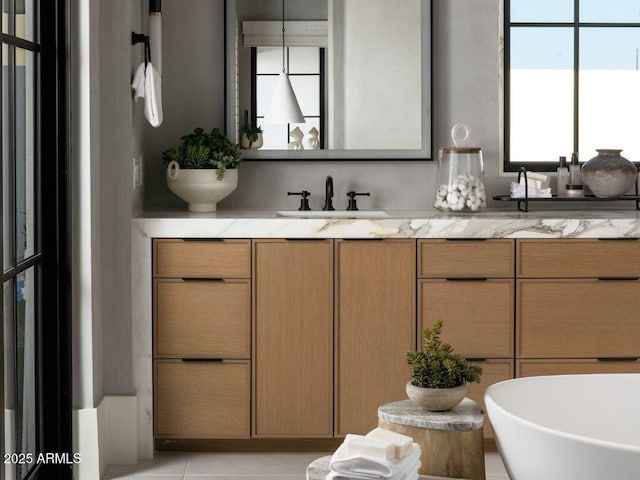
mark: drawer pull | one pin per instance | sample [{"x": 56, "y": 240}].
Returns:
[
  {"x": 465, "y": 239},
  {"x": 617, "y": 359},
  {"x": 477, "y": 360},
  {"x": 188, "y": 280},
  {"x": 196, "y": 360},
  {"x": 305, "y": 239},
  {"x": 203, "y": 240},
  {"x": 619, "y": 279},
  {"x": 376, "y": 239},
  {"x": 618, "y": 239},
  {"x": 466, "y": 279}
]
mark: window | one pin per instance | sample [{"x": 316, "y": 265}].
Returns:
[
  {"x": 571, "y": 80},
  {"x": 34, "y": 315},
  {"x": 305, "y": 66}
]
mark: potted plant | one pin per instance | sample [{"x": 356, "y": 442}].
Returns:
[
  {"x": 202, "y": 170},
  {"x": 440, "y": 376},
  {"x": 251, "y": 135}
]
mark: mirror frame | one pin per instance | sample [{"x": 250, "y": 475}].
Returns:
[{"x": 425, "y": 153}]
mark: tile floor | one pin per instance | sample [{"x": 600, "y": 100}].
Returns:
[{"x": 236, "y": 466}]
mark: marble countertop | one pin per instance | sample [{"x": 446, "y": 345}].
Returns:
[{"x": 425, "y": 223}]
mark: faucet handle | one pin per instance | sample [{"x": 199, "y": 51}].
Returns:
[
  {"x": 352, "y": 199},
  {"x": 304, "y": 201}
]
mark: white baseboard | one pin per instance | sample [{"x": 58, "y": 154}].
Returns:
[{"x": 106, "y": 435}]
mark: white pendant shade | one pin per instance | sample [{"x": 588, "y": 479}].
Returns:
[{"x": 284, "y": 106}]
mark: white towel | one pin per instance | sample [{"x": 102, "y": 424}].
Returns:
[
  {"x": 363, "y": 467},
  {"x": 138, "y": 83},
  {"x": 152, "y": 96},
  {"x": 147, "y": 84},
  {"x": 517, "y": 191}
]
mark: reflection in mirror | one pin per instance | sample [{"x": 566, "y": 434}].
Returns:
[{"x": 361, "y": 70}]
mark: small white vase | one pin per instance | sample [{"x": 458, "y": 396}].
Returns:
[
  {"x": 200, "y": 188},
  {"x": 436, "y": 399}
]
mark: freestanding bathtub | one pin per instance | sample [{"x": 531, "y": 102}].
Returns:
[{"x": 568, "y": 427}]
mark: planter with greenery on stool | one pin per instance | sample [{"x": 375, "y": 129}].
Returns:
[{"x": 439, "y": 375}]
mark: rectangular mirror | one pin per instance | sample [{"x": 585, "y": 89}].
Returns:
[{"x": 360, "y": 70}]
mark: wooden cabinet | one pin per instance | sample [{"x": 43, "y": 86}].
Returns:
[
  {"x": 201, "y": 317},
  {"x": 202, "y": 399},
  {"x": 478, "y": 315},
  {"x": 489, "y": 258},
  {"x": 577, "y": 306},
  {"x": 293, "y": 338},
  {"x": 469, "y": 284},
  {"x": 581, "y": 318},
  {"x": 493, "y": 371},
  {"x": 375, "y": 325}
]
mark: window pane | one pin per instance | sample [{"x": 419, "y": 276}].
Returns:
[
  {"x": 304, "y": 60},
  {"x": 5, "y": 18},
  {"x": 307, "y": 89},
  {"x": 265, "y": 85},
  {"x": 623, "y": 11},
  {"x": 542, "y": 10},
  {"x": 609, "y": 93},
  {"x": 541, "y": 94},
  {"x": 275, "y": 136},
  {"x": 268, "y": 60},
  {"x": 8, "y": 335},
  {"x": 26, "y": 365},
  {"x": 25, "y": 161},
  {"x": 7, "y": 171},
  {"x": 25, "y": 15}
]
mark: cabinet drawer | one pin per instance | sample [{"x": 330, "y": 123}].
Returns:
[
  {"x": 477, "y": 315},
  {"x": 202, "y": 318},
  {"x": 578, "y": 258},
  {"x": 493, "y": 371},
  {"x": 201, "y": 399},
  {"x": 468, "y": 258},
  {"x": 577, "y": 318},
  {"x": 532, "y": 368},
  {"x": 202, "y": 258}
]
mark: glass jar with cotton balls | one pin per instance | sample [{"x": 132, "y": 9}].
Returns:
[{"x": 460, "y": 177}]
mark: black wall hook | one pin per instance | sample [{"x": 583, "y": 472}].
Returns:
[{"x": 142, "y": 38}]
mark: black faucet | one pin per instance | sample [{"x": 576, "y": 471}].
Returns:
[{"x": 328, "y": 194}]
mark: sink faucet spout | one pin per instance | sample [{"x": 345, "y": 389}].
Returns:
[{"x": 328, "y": 191}]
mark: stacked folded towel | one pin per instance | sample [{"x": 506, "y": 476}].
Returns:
[
  {"x": 381, "y": 454},
  {"x": 518, "y": 191}
]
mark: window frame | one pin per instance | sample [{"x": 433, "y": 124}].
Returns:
[
  {"x": 511, "y": 166},
  {"x": 322, "y": 92}
]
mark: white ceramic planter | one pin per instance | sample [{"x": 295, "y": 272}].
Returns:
[
  {"x": 245, "y": 143},
  {"x": 200, "y": 188},
  {"x": 436, "y": 399}
]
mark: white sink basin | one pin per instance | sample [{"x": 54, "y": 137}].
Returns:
[{"x": 333, "y": 214}]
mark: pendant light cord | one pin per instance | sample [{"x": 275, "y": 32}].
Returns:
[{"x": 283, "y": 46}]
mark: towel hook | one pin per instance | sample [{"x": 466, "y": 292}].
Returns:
[{"x": 142, "y": 38}]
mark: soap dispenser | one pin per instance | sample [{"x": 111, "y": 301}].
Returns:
[
  {"x": 563, "y": 178},
  {"x": 575, "y": 187}
]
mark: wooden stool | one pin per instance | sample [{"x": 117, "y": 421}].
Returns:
[{"x": 451, "y": 441}]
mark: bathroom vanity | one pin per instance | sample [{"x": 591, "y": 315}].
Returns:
[{"x": 253, "y": 326}]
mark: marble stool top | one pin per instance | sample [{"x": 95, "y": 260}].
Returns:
[
  {"x": 319, "y": 469},
  {"x": 466, "y": 416}
]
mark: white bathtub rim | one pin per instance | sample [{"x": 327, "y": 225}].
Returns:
[{"x": 552, "y": 431}]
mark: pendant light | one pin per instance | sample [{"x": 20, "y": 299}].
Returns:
[{"x": 284, "y": 107}]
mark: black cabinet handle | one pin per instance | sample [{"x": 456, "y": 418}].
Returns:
[
  {"x": 618, "y": 279},
  {"x": 466, "y": 239},
  {"x": 466, "y": 279},
  {"x": 618, "y": 239},
  {"x": 193, "y": 280},
  {"x": 202, "y": 360},
  {"x": 477, "y": 360},
  {"x": 617, "y": 359}
]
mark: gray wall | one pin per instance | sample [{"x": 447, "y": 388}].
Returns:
[{"x": 466, "y": 68}]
